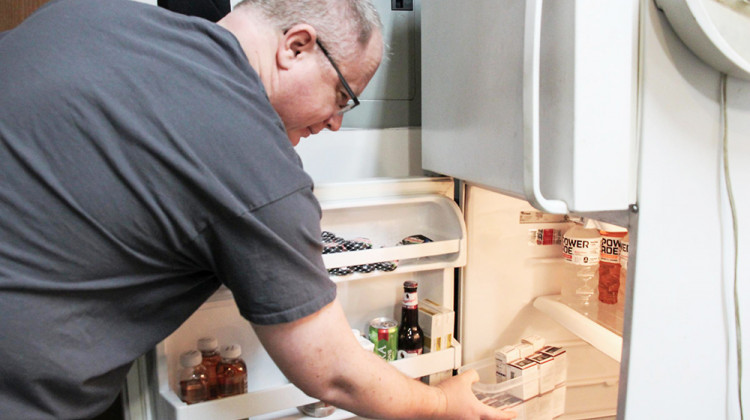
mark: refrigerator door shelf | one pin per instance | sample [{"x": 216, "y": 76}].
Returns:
[
  {"x": 447, "y": 251},
  {"x": 387, "y": 221},
  {"x": 603, "y": 331},
  {"x": 267, "y": 402}
]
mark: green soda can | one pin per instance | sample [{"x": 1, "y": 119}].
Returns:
[{"x": 384, "y": 334}]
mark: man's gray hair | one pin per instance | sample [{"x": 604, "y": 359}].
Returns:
[{"x": 344, "y": 27}]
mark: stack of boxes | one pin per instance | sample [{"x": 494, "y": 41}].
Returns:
[
  {"x": 543, "y": 370},
  {"x": 437, "y": 326}
]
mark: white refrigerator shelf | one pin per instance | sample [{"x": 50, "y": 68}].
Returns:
[
  {"x": 369, "y": 256},
  {"x": 280, "y": 402},
  {"x": 386, "y": 221},
  {"x": 603, "y": 330}
]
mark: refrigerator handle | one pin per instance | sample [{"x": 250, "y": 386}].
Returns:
[{"x": 531, "y": 90}]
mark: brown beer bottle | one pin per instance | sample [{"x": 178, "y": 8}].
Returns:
[
  {"x": 410, "y": 337},
  {"x": 231, "y": 372},
  {"x": 209, "y": 348}
]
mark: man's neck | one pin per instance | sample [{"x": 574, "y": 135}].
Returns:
[{"x": 259, "y": 41}]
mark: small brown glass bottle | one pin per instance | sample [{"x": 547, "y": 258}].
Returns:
[
  {"x": 410, "y": 337},
  {"x": 231, "y": 372},
  {"x": 193, "y": 380},
  {"x": 209, "y": 348}
]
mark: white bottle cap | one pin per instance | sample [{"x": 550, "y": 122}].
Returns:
[
  {"x": 208, "y": 344},
  {"x": 231, "y": 351},
  {"x": 191, "y": 358}
]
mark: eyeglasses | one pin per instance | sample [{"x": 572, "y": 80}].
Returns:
[{"x": 353, "y": 102}]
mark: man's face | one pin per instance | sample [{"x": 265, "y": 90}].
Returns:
[{"x": 314, "y": 93}]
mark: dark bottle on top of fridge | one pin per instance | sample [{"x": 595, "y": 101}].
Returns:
[
  {"x": 209, "y": 348},
  {"x": 193, "y": 380},
  {"x": 410, "y": 337},
  {"x": 231, "y": 372}
]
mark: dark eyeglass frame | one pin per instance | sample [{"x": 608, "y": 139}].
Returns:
[{"x": 353, "y": 102}]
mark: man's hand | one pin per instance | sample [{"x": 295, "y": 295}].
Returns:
[{"x": 460, "y": 402}]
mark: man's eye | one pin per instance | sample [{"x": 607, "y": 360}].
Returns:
[{"x": 343, "y": 99}]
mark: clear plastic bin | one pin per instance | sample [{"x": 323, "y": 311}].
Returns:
[{"x": 514, "y": 395}]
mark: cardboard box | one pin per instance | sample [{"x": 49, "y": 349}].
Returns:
[
  {"x": 503, "y": 356},
  {"x": 561, "y": 362},
  {"x": 529, "y": 371},
  {"x": 537, "y": 342},
  {"x": 499, "y": 400},
  {"x": 558, "y": 400},
  {"x": 528, "y": 410},
  {"x": 526, "y": 349},
  {"x": 437, "y": 325},
  {"x": 545, "y": 407},
  {"x": 547, "y": 374}
]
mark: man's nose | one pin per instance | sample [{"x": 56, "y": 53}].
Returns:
[{"x": 333, "y": 123}]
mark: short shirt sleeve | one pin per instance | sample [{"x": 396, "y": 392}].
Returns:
[{"x": 270, "y": 258}]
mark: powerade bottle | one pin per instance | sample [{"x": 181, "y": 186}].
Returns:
[
  {"x": 581, "y": 248},
  {"x": 624, "y": 253},
  {"x": 609, "y": 264}
]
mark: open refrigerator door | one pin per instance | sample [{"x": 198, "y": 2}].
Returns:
[{"x": 383, "y": 211}]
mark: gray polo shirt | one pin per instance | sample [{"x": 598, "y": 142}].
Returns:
[{"x": 141, "y": 166}]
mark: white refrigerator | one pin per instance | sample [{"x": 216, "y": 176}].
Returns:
[{"x": 535, "y": 114}]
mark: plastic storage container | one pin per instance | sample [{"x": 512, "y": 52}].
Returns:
[{"x": 514, "y": 395}]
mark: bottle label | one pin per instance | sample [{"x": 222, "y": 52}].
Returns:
[
  {"x": 610, "y": 250},
  {"x": 581, "y": 251},
  {"x": 410, "y": 300},
  {"x": 545, "y": 236},
  {"x": 624, "y": 253}
]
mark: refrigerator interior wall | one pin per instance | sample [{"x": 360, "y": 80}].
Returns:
[
  {"x": 383, "y": 211},
  {"x": 509, "y": 290}
]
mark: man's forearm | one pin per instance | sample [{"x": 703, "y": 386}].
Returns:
[{"x": 319, "y": 354}]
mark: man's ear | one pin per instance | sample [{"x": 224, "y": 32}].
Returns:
[{"x": 297, "y": 42}]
